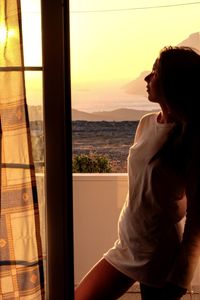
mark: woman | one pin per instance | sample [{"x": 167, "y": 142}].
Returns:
[{"x": 163, "y": 172}]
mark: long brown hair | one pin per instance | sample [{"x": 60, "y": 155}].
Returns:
[{"x": 179, "y": 76}]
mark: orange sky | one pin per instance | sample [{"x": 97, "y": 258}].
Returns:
[
  {"x": 109, "y": 48},
  {"x": 117, "y": 45}
]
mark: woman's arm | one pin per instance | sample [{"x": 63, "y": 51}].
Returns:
[{"x": 189, "y": 252}]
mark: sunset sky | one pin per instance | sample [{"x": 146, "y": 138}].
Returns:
[
  {"x": 112, "y": 42},
  {"x": 116, "y": 40}
]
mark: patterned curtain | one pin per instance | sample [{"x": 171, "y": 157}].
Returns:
[{"x": 21, "y": 266}]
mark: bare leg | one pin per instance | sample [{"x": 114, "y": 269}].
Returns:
[
  {"x": 103, "y": 282},
  {"x": 148, "y": 292}
]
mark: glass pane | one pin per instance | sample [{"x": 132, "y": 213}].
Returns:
[
  {"x": 33, "y": 81},
  {"x": 31, "y": 23},
  {"x": 34, "y": 88}
]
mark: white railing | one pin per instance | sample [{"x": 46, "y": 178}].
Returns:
[{"x": 98, "y": 199}]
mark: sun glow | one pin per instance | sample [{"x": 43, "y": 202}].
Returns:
[
  {"x": 32, "y": 33},
  {"x": 32, "y": 37}
]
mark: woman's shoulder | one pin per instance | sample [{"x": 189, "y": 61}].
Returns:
[
  {"x": 146, "y": 122},
  {"x": 149, "y": 118}
]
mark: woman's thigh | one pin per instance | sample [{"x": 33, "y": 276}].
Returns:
[
  {"x": 149, "y": 293},
  {"x": 103, "y": 282}
]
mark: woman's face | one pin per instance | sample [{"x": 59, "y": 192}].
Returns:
[{"x": 153, "y": 84}]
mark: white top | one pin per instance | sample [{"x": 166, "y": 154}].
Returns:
[{"x": 148, "y": 230}]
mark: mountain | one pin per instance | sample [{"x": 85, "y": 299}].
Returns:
[
  {"x": 138, "y": 86},
  {"x": 192, "y": 41},
  {"x": 122, "y": 114}
]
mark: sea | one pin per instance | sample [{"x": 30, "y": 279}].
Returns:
[{"x": 108, "y": 99}]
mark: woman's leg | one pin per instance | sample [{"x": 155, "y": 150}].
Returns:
[
  {"x": 103, "y": 282},
  {"x": 149, "y": 292}
]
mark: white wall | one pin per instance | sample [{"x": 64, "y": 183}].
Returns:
[
  {"x": 97, "y": 203},
  {"x": 98, "y": 199}
]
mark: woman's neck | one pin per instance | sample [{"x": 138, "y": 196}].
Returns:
[{"x": 164, "y": 117}]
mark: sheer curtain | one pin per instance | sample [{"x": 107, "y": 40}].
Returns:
[{"x": 21, "y": 266}]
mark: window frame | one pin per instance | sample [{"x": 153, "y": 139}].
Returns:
[{"x": 58, "y": 148}]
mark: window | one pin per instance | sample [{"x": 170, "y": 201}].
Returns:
[
  {"x": 48, "y": 89},
  {"x": 48, "y": 95}
]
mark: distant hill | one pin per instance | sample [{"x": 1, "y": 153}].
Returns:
[
  {"x": 122, "y": 114},
  {"x": 192, "y": 41},
  {"x": 137, "y": 86}
]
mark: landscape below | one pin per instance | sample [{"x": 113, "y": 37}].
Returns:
[{"x": 110, "y": 139}]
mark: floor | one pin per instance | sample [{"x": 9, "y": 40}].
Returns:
[{"x": 134, "y": 294}]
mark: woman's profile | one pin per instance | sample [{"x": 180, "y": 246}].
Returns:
[{"x": 163, "y": 175}]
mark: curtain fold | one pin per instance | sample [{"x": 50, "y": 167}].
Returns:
[{"x": 21, "y": 265}]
